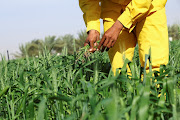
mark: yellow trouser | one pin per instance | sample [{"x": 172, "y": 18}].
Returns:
[{"x": 150, "y": 32}]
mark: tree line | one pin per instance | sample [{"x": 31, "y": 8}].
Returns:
[
  {"x": 68, "y": 43},
  {"x": 52, "y": 44},
  {"x": 174, "y": 31}
]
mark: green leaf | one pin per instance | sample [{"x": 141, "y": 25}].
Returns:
[
  {"x": 41, "y": 109},
  {"x": 4, "y": 91}
]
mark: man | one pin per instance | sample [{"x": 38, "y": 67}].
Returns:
[{"x": 127, "y": 22}]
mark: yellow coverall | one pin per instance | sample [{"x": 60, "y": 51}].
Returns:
[{"x": 144, "y": 22}]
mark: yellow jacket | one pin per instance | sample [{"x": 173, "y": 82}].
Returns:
[{"x": 134, "y": 11}]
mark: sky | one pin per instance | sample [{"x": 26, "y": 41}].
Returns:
[{"x": 21, "y": 21}]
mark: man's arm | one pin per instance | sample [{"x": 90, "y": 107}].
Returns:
[
  {"x": 134, "y": 11},
  {"x": 92, "y": 11}
]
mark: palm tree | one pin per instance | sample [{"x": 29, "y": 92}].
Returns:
[
  {"x": 52, "y": 45},
  {"x": 59, "y": 45},
  {"x": 22, "y": 53},
  {"x": 49, "y": 43},
  {"x": 36, "y": 46},
  {"x": 82, "y": 35},
  {"x": 64, "y": 42},
  {"x": 68, "y": 43},
  {"x": 29, "y": 49},
  {"x": 174, "y": 31}
]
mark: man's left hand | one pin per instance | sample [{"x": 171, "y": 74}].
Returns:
[{"x": 110, "y": 36}]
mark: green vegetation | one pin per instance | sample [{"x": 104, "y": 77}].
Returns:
[
  {"x": 82, "y": 86},
  {"x": 174, "y": 31},
  {"x": 52, "y": 44},
  {"x": 61, "y": 83}
]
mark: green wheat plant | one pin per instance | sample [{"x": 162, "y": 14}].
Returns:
[{"x": 82, "y": 86}]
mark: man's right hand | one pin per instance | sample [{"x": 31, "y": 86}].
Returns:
[{"x": 93, "y": 37}]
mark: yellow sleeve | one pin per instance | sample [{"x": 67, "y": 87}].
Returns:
[
  {"x": 134, "y": 11},
  {"x": 92, "y": 11}
]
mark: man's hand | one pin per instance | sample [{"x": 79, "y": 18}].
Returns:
[
  {"x": 110, "y": 36},
  {"x": 93, "y": 37}
]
